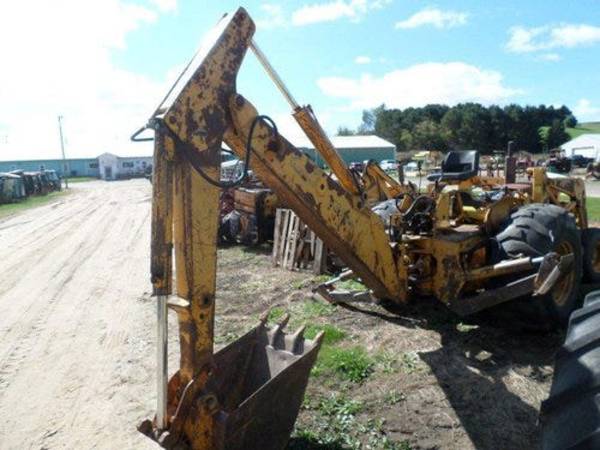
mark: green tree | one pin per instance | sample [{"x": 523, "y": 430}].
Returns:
[
  {"x": 571, "y": 121},
  {"x": 345, "y": 131},
  {"x": 405, "y": 142},
  {"x": 428, "y": 136},
  {"x": 556, "y": 135},
  {"x": 451, "y": 126}
]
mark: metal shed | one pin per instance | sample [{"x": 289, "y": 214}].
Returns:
[
  {"x": 352, "y": 148},
  {"x": 587, "y": 145},
  {"x": 75, "y": 167}
]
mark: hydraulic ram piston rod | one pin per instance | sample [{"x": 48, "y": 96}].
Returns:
[
  {"x": 161, "y": 371},
  {"x": 309, "y": 124},
  {"x": 273, "y": 75}
]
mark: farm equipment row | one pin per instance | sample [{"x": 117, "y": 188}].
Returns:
[{"x": 18, "y": 184}]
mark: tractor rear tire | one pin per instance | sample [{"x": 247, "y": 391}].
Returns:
[
  {"x": 570, "y": 417},
  {"x": 535, "y": 230},
  {"x": 591, "y": 254}
]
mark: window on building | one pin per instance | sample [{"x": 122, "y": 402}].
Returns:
[
  {"x": 127, "y": 164},
  {"x": 93, "y": 165}
]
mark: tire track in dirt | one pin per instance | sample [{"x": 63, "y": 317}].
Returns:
[{"x": 76, "y": 342}]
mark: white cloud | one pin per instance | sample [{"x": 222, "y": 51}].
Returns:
[
  {"x": 434, "y": 17},
  {"x": 524, "y": 40},
  {"x": 585, "y": 111},
  {"x": 165, "y": 5},
  {"x": 67, "y": 67},
  {"x": 553, "y": 57},
  {"x": 338, "y": 9},
  {"x": 418, "y": 85},
  {"x": 274, "y": 16},
  {"x": 362, "y": 60}
]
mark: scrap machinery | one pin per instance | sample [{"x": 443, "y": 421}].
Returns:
[{"x": 472, "y": 242}]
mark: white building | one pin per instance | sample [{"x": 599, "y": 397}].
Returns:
[
  {"x": 113, "y": 167},
  {"x": 587, "y": 145}
]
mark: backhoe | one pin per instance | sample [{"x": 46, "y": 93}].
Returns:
[{"x": 471, "y": 242}]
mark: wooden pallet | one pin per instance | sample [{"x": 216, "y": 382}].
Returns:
[{"x": 295, "y": 246}]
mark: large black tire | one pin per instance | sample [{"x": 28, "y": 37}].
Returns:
[
  {"x": 535, "y": 230},
  {"x": 570, "y": 417},
  {"x": 591, "y": 255}
]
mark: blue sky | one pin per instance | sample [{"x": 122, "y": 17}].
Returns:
[{"x": 104, "y": 64}]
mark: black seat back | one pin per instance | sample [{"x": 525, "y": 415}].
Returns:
[{"x": 460, "y": 165}]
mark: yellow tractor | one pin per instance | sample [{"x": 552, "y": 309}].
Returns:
[{"x": 472, "y": 242}]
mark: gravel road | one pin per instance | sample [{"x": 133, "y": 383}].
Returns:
[{"x": 76, "y": 321}]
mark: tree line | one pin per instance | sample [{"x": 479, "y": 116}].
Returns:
[{"x": 468, "y": 126}]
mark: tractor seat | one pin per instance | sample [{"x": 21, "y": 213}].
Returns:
[{"x": 458, "y": 166}]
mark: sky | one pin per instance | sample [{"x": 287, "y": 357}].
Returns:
[{"x": 104, "y": 65}]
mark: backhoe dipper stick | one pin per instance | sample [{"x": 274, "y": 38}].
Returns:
[{"x": 161, "y": 263}]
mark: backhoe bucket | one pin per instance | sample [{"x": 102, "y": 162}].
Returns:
[
  {"x": 260, "y": 381},
  {"x": 253, "y": 394}
]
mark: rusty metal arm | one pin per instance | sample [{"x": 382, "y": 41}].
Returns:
[
  {"x": 379, "y": 186},
  {"x": 340, "y": 219},
  {"x": 552, "y": 268},
  {"x": 506, "y": 267},
  {"x": 312, "y": 128}
]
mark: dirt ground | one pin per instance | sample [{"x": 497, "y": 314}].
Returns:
[{"x": 77, "y": 351}]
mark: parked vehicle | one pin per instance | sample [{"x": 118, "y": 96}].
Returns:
[
  {"x": 38, "y": 185},
  {"x": 53, "y": 180},
  {"x": 558, "y": 162},
  {"x": 580, "y": 161},
  {"x": 12, "y": 188},
  {"x": 357, "y": 166},
  {"x": 388, "y": 164}
]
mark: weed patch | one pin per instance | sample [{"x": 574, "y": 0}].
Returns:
[
  {"x": 393, "y": 397},
  {"x": 276, "y": 313},
  {"x": 332, "y": 334},
  {"x": 351, "y": 364},
  {"x": 351, "y": 285},
  {"x": 312, "y": 309},
  {"x": 410, "y": 363},
  {"x": 387, "y": 362}
]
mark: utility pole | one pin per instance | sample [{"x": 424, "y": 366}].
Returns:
[{"x": 62, "y": 147}]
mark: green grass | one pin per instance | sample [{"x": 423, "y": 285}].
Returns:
[
  {"x": 593, "y": 209},
  {"x": 337, "y": 404},
  {"x": 314, "y": 308},
  {"x": 350, "y": 364},
  {"x": 30, "y": 202},
  {"x": 583, "y": 128},
  {"x": 332, "y": 334},
  {"x": 410, "y": 362},
  {"x": 393, "y": 397},
  {"x": 351, "y": 285},
  {"x": 276, "y": 314},
  {"x": 80, "y": 179},
  {"x": 387, "y": 362}
]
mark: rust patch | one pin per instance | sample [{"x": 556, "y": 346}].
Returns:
[
  {"x": 273, "y": 145},
  {"x": 336, "y": 187}
]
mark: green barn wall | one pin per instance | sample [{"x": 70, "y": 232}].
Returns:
[{"x": 350, "y": 155}]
